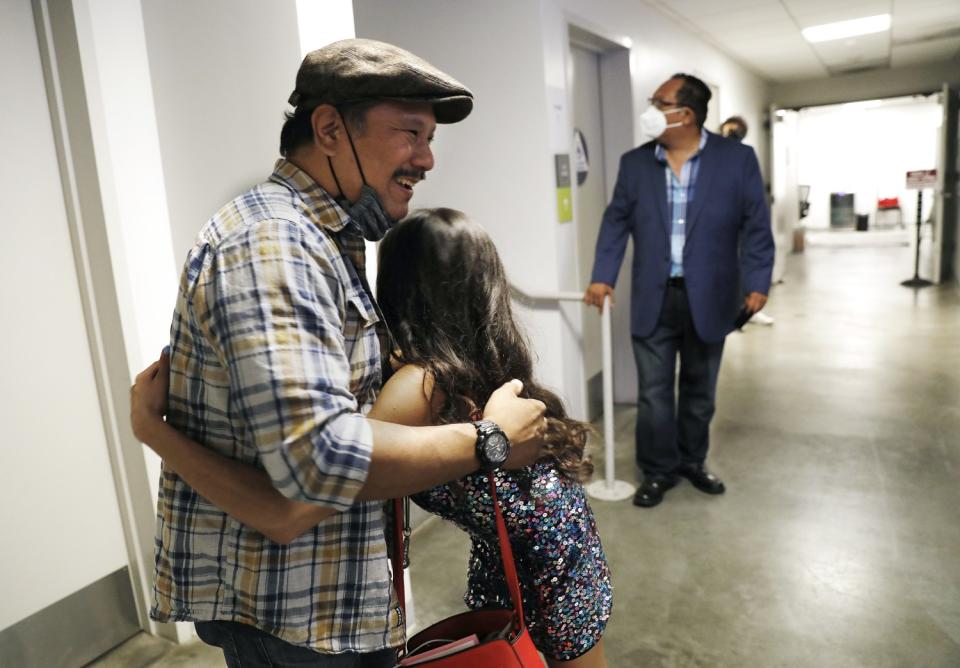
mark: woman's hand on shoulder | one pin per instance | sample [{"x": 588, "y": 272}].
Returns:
[{"x": 408, "y": 398}]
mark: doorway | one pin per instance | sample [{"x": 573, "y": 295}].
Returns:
[
  {"x": 602, "y": 110},
  {"x": 849, "y": 163}
]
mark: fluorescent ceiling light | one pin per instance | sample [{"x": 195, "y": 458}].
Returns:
[{"x": 842, "y": 29}]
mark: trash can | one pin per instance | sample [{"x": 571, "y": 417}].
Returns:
[
  {"x": 841, "y": 210},
  {"x": 863, "y": 220}
]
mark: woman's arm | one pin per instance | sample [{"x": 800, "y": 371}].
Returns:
[{"x": 243, "y": 491}]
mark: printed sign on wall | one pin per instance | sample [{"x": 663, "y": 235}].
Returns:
[
  {"x": 564, "y": 196},
  {"x": 582, "y": 156}
]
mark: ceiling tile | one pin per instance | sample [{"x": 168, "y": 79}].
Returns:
[
  {"x": 927, "y": 52},
  {"x": 765, "y": 34},
  {"x": 837, "y": 11},
  {"x": 740, "y": 21},
  {"x": 855, "y": 49},
  {"x": 693, "y": 8}
]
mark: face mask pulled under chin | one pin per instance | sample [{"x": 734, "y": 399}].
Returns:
[
  {"x": 653, "y": 123},
  {"x": 367, "y": 214}
]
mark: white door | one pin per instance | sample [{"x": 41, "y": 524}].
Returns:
[
  {"x": 785, "y": 210},
  {"x": 590, "y": 201},
  {"x": 64, "y": 581}
]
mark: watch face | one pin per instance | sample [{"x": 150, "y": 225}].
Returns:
[{"x": 496, "y": 448}]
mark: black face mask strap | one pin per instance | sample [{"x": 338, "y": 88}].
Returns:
[
  {"x": 353, "y": 148},
  {"x": 335, "y": 179}
]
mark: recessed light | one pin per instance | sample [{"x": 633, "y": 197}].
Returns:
[{"x": 843, "y": 29}]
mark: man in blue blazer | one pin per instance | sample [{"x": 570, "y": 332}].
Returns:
[{"x": 695, "y": 206}]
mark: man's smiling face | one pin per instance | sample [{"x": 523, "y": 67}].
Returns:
[{"x": 394, "y": 151}]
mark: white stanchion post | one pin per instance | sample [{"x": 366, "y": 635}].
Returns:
[{"x": 608, "y": 489}]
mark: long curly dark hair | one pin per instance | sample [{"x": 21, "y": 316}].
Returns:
[{"x": 445, "y": 297}]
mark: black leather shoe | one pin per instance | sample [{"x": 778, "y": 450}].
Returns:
[
  {"x": 702, "y": 479},
  {"x": 651, "y": 491}
]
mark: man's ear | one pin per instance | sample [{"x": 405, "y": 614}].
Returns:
[{"x": 327, "y": 128}]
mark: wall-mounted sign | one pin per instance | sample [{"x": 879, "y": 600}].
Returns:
[
  {"x": 581, "y": 156},
  {"x": 921, "y": 178},
  {"x": 564, "y": 196}
]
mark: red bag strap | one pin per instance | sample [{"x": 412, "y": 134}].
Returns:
[
  {"x": 506, "y": 552},
  {"x": 396, "y": 559}
]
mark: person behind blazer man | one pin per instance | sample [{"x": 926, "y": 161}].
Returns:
[
  {"x": 694, "y": 204},
  {"x": 734, "y": 128}
]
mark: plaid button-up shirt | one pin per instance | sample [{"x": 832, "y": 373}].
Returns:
[
  {"x": 679, "y": 194},
  {"x": 274, "y": 356}
]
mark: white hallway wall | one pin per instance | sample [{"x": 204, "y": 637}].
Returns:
[
  {"x": 222, "y": 71},
  {"x": 58, "y": 505},
  {"x": 498, "y": 166}
]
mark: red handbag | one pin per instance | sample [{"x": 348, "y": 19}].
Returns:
[{"x": 502, "y": 638}]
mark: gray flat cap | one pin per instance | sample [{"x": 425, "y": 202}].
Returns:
[{"x": 355, "y": 70}]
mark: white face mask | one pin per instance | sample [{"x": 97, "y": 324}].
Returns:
[{"x": 653, "y": 122}]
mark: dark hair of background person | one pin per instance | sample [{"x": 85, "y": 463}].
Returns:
[
  {"x": 445, "y": 297},
  {"x": 297, "y": 129},
  {"x": 693, "y": 94},
  {"x": 739, "y": 124}
]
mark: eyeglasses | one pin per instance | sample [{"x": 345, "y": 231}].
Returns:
[{"x": 662, "y": 104}]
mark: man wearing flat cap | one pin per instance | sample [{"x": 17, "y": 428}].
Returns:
[{"x": 276, "y": 348}]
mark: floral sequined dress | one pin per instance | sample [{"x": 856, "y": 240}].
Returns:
[{"x": 564, "y": 577}]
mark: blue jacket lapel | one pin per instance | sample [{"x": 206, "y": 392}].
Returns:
[
  {"x": 705, "y": 171},
  {"x": 659, "y": 181}
]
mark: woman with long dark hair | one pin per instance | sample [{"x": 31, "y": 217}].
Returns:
[{"x": 446, "y": 303}]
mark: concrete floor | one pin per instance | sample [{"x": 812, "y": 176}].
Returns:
[{"x": 837, "y": 543}]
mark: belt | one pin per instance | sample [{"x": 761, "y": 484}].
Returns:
[{"x": 676, "y": 282}]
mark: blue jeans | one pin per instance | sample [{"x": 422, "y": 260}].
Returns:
[
  {"x": 672, "y": 431},
  {"x": 247, "y": 647}
]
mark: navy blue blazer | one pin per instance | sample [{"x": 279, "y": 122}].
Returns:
[{"x": 728, "y": 251}]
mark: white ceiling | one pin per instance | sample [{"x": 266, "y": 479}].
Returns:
[{"x": 764, "y": 35}]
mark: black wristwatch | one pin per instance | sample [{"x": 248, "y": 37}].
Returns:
[{"x": 493, "y": 446}]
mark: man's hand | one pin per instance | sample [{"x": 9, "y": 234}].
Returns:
[
  {"x": 754, "y": 302},
  {"x": 595, "y": 294},
  {"x": 148, "y": 398},
  {"x": 522, "y": 420}
]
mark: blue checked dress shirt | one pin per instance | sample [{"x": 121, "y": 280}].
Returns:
[
  {"x": 679, "y": 194},
  {"x": 275, "y": 354}
]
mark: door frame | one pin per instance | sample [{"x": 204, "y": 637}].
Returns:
[
  {"x": 617, "y": 114},
  {"x": 61, "y": 42},
  {"x": 946, "y": 214}
]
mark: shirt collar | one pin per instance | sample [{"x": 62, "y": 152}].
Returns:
[
  {"x": 319, "y": 206},
  {"x": 661, "y": 153}
]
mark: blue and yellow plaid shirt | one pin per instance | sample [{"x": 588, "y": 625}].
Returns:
[
  {"x": 680, "y": 192},
  {"x": 274, "y": 357}
]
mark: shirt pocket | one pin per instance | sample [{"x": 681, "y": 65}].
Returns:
[{"x": 362, "y": 344}]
